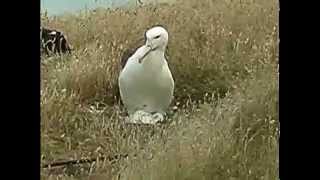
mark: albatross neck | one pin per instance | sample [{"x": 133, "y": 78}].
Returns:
[{"x": 155, "y": 59}]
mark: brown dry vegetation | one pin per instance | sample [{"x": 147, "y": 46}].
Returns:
[{"x": 224, "y": 59}]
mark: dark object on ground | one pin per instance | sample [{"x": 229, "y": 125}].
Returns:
[
  {"x": 81, "y": 161},
  {"x": 53, "y": 41}
]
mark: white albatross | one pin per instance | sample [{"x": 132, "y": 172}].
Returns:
[{"x": 145, "y": 82}]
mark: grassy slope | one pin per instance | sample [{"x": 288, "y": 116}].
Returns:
[{"x": 223, "y": 56}]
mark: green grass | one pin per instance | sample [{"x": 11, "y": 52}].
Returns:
[{"x": 224, "y": 59}]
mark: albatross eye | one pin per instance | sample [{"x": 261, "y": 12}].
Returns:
[{"x": 156, "y": 37}]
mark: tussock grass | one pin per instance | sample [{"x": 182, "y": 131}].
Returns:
[
  {"x": 225, "y": 140},
  {"x": 224, "y": 59}
]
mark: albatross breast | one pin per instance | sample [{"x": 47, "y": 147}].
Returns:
[{"x": 146, "y": 88}]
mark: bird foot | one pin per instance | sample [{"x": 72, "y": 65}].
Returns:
[
  {"x": 141, "y": 117},
  {"x": 158, "y": 117}
]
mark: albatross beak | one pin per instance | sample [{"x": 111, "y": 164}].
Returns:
[{"x": 145, "y": 52}]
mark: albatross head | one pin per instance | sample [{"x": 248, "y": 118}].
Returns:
[{"x": 156, "y": 39}]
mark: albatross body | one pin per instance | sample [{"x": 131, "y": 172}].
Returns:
[{"x": 146, "y": 83}]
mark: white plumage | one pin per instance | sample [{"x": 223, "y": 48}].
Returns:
[{"x": 146, "y": 84}]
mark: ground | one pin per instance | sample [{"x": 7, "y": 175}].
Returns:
[{"x": 224, "y": 58}]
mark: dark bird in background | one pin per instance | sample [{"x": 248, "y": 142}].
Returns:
[{"x": 53, "y": 41}]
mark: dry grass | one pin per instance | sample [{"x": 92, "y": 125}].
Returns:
[{"x": 224, "y": 59}]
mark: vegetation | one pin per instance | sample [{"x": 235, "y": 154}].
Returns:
[{"x": 224, "y": 59}]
